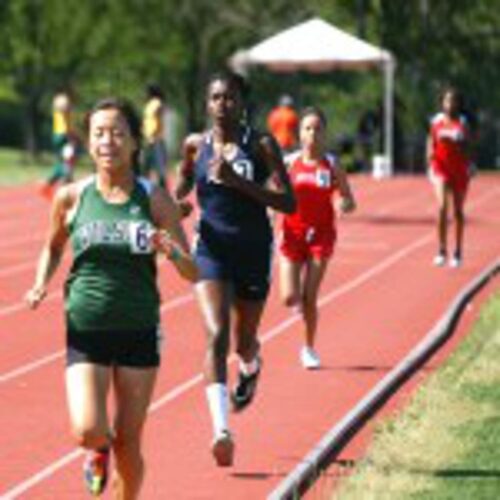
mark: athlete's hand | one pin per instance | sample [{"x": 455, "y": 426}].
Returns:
[
  {"x": 34, "y": 296},
  {"x": 162, "y": 242},
  {"x": 221, "y": 172},
  {"x": 346, "y": 205}
]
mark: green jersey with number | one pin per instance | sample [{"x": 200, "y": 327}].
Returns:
[{"x": 112, "y": 282}]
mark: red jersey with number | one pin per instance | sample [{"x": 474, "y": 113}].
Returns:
[
  {"x": 314, "y": 184},
  {"x": 449, "y": 136},
  {"x": 310, "y": 230}
]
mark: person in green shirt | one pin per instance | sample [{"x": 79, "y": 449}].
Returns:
[{"x": 116, "y": 224}]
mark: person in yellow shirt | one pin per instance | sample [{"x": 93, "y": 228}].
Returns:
[
  {"x": 154, "y": 157},
  {"x": 64, "y": 144}
]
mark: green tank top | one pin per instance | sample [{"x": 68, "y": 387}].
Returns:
[{"x": 112, "y": 282}]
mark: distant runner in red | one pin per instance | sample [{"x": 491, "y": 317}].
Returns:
[
  {"x": 308, "y": 235},
  {"x": 448, "y": 158}
]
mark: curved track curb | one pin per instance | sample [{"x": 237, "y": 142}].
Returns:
[{"x": 305, "y": 473}]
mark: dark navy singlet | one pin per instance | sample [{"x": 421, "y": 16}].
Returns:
[{"x": 225, "y": 210}]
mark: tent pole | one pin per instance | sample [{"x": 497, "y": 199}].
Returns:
[{"x": 389, "y": 68}]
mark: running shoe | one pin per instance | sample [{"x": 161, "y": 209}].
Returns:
[
  {"x": 95, "y": 471},
  {"x": 223, "y": 449},
  {"x": 244, "y": 391},
  {"x": 455, "y": 261},
  {"x": 309, "y": 358},
  {"x": 439, "y": 260}
]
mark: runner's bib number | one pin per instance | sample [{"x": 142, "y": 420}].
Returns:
[{"x": 140, "y": 237}]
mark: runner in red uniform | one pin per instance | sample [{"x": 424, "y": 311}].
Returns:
[
  {"x": 308, "y": 235},
  {"x": 448, "y": 158}
]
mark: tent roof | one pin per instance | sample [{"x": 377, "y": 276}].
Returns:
[{"x": 314, "y": 45}]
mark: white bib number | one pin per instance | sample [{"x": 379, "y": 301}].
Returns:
[
  {"x": 244, "y": 168},
  {"x": 140, "y": 237},
  {"x": 323, "y": 178}
]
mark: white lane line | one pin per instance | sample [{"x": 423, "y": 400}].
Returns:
[
  {"x": 22, "y": 306},
  {"x": 356, "y": 244},
  {"x": 180, "y": 389},
  {"x": 29, "y": 367},
  {"x": 368, "y": 246},
  {"x": 39, "y": 236},
  {"x": 354, "y": 283},
  {"x": 42, "y": 475}
]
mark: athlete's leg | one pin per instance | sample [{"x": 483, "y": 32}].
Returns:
[
  {"x": 247, "y": 316},
  {"x": 441, "y": 191},
  {"x": 58, "y": 141},
  {"x": 290, "y": 282},
  {"x": 315, "y": 271},
  {"x": 133, "y": 389},
  {"x": 58, "y": 172},
  {"x": 251, "y": 287},
  {"x": 458, "y": 211},
  {"x": 68, "y": 162},
  {"x": 214, "y": 300},
  {"x": 87, "y": 386}
]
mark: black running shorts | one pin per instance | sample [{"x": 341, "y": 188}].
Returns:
[{"x": 135, "y": 348}]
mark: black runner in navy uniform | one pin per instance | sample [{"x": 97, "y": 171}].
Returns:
[{"x": 235, "y": 235}]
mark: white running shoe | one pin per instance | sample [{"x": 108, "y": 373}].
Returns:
[
  {"x": 309, "y": 358},
  {"x": 439, "y": 260},
  {"x": 455, "y": 262}
]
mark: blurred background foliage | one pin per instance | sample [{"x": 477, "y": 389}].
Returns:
[{"x": 102, "y": 47}]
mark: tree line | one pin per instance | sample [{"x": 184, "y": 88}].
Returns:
[{"x": 99, "y": 47}]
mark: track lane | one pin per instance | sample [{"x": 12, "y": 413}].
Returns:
[{"x": 342, "y": 272}]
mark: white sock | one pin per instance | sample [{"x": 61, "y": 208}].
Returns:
[
  {"x": 251, "y": 367},
  {"x": 218, "y": 404}
]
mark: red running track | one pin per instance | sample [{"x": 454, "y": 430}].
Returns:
[{"x": 380, "y": 297}]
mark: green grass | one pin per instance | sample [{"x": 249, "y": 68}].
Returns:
[
  {"x": 446, "y": 443},
  {"x": 16, "y": 167}
]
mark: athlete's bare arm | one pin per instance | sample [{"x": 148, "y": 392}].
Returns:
[
  {"x": 170, "y": 238},
  {"x": 429, "y": 149},
  {"x": 185, "y": 173},
  {"x": 55, "y": 241},
  {"x": 347, "y": 201}
]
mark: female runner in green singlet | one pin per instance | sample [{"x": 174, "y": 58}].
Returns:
[{"x": 116, "y": 223}]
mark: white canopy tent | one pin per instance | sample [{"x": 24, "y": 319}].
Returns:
[{"x": 317, "y": 46}]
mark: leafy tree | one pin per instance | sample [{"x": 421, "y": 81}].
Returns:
[
  {"x": 47, "y": 44},
  {"x": 117, "y": 46}
]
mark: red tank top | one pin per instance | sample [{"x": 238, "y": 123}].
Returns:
[
  {"x": 448, "y": 138},
  {"x": 314, "y": 184}
]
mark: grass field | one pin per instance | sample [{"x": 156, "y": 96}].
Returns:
[
  {"x": 17, "y": 168},
  {"x": 446, "y": 443}
]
